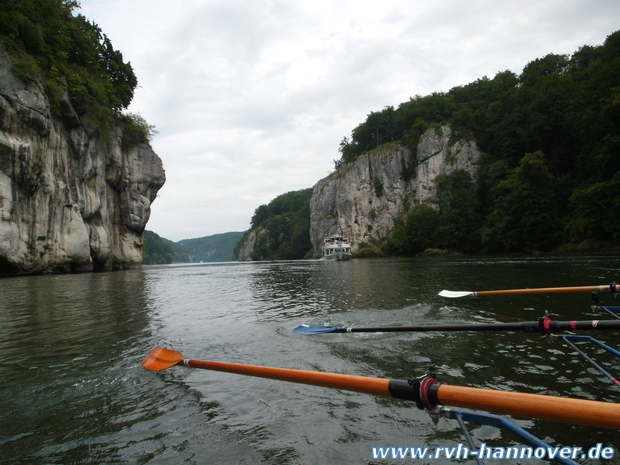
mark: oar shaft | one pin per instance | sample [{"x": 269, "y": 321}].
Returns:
[
  {"x": 544, "y": 326},
  {"x": 363, "y": 384},
  {"x": 553, "y": 290},
  {"x": 446, "y": 327},
  {"x": 567, "y": 410}
]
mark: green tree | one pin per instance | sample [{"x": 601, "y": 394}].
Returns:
[
  {"x": 285, "y": 228},
  {"x": 595, "y": 218},
  {"x": 416, "y": 233},
  {"x": 349, "y": 151},
  {"x": 528, "y": 211},
  {"x": 460, "y": 218},
  {"x": 46, "y": 40},
  {"x": 260, "y": 214}
]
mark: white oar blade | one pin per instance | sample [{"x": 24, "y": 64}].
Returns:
[{"x": 456, "y": 294}]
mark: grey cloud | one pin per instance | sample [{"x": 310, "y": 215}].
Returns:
[{"x": 251, "y": 98}]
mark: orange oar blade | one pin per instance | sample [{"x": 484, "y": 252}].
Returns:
[{"x": 160, "y": 359}]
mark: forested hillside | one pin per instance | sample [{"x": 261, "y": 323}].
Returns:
[
  {"x": 550, "y": 173},
  {"x": 282, "y": 228},
  {"x": 70, "y": 53}
]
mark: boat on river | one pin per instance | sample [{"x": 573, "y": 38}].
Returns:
[{"x": 336, "y": 247}]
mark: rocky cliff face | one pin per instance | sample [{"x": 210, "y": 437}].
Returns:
[
  {"x": 363, "y": 199},
  {"x": 70, "y": 199},
  {"x": 248, "y": 243}
]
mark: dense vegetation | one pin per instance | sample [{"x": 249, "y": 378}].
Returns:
[
  {"x": 68, "y": 53},
  {"x": 215, "y": 248},
  {"x": 284, "y": 226},
  {"x": 550, "y": 171}
]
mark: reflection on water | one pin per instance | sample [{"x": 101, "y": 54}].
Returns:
[
  {"x": 56, "y": 319},
  {"x": 72, "y": 389}
]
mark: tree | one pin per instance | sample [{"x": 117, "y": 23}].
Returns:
[
  {"x": 460, "y": 217},
  {"x": 47, "y": 41},
  {"x": 416, "y": 233},
  {"x": 595, "y": 216},
  {"x": 260, "y": 215},
  {"x": 528, "y": 210},
  {"x": 285, "y": 227},
  {"x": 349, "y": 152},
  {"x": 156, "y": 251}
]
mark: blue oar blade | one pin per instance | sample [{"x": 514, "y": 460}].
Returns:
[{"x": 310, "y": 329}]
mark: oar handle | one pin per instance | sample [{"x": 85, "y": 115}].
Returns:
[
  {"x": 549, "y": 326},
  {"x": 567, "y": 410}
]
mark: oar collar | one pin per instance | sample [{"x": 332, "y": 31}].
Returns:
[
  {"x": 428, "y": 396},
  {"x": 422, "y": 390}
]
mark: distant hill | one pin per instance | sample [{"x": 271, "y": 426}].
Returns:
[
  {"x": 156, "y": 250},
  {"x": 217, "y": 248}
]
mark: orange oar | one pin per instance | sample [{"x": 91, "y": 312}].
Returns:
[
  {"x": 613, "y": 287},
  {"x": 160, "y": 359},
  {"x": 427, "y": 392}
]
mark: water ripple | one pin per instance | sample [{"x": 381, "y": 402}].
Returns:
[{"x": 72, "y": 389}]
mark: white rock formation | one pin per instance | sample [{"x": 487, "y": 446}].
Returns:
[
  {"x": 363, "y": 199},
  {"x": 247, "y": 244},
  {"x": 70, "y": 200}
]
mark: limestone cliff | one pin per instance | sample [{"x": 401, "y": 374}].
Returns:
[
  {"x": 247, "y": 244},
  {"x": 363, "y": 199},
  {"x": 70, "y": 199}
]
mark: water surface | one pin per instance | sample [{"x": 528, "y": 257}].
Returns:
[{"x": 72, "y": 389}]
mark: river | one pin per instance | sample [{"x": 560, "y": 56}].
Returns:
[{"x": 72, "y": 389}]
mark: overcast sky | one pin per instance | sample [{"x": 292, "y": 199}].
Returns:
[{"x": 251, "y": 98}]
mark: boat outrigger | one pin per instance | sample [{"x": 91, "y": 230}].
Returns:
[{"x": 336, "y": 247}]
